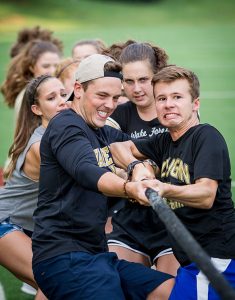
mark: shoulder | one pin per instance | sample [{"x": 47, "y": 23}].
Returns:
[
  {"x": 67, "y": 119},
  {"x": 124, "y": 108},
  {"x": 207, "y": 131},
  {"x": 114, "y": 134}
]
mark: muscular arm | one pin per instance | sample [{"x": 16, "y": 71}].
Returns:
[
  {"x": 201, "y": 194},
  {"x": 124, "y": 153},
  {"x": 112, "y": 185}
]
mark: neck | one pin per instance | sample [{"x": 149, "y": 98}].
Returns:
[{"x": 176, "y": 133}]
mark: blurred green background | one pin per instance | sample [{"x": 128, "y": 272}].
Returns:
[{"x": 199, "y": 35}]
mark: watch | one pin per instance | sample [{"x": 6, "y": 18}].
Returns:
[
  {"x": 152, "y": 164},
  {"x": 131, "y": 166}
]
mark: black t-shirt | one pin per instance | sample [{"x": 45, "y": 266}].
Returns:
[
  {"x": 126, "y": 115},
  {"x": 200, "y": 153},
  {"x": 71, "y": 212}
]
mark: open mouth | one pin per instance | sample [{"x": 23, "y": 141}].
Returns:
[
  {"x": 103, "y": 114},
  {"x": 170, "y": 116}
]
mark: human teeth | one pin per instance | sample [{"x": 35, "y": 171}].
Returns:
[
  {"x": 102, "y": 113},
  {"x": 169, "y": 115}
]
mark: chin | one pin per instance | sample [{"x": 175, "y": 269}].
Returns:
[{"x": 99, "y": 124}]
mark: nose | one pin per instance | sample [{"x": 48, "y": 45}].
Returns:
[
  {"x": 136, "y": 87},
  {"x": 62, "y": 102},
  {"x": 51, "y": 70},
  {"x": 110, "y": 103},
  {"x": 169, "y": 102}
]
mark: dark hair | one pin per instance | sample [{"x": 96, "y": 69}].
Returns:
[
  {"x": 116, "y": 49},
  {"x": 19, "y": 72},
  {"x": 27, "y": 122},
  {"x": 172, "y": 73},
  {"x": 144, "y": 51}
]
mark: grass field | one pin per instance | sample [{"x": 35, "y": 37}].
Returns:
[{"x": 196, "y": 34}]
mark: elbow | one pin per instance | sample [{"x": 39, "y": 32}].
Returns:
[{"x": 208, "y": 201}]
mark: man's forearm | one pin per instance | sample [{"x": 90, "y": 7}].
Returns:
[{"x": 125, "y": 153}]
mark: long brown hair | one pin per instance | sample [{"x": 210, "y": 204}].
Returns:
[
  {"x": 28, "y": 34},
  {"x": 20, "y": 68},
  {"x": 27, "y": 122},
  {"x": 144, "y": 51}
]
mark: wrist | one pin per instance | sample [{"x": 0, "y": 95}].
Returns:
[
  {"x": 151, "y": 163},
  {"x": 125, "y": 189},
  {"x": 126, "y": 193},
  {"x": 131, "y": 167}
]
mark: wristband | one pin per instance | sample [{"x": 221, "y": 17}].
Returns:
[
  {"x": 125, "y": 192},
  {"x": 124, "y": 188}
]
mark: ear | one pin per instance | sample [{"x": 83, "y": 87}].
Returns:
[
  {"x": 31, "y": 69},
  {"x": 78, "y": 90},
  {"x": 36, "y": 110},
  {"x": 196, "y": 104}
]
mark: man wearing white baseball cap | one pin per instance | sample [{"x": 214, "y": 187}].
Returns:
[{"x": 70, "y": 257}]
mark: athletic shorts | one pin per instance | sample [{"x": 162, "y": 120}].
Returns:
[
  {"x": 193, "y": 285},
  {"x": 81, "y": 275},
  {"x": 6, "y": 227},
  {"x": 139, "y": 229},
  {"x": 115, "y": 204}
]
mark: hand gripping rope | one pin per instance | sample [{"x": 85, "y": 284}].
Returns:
[{"x": 187, "y": 242}]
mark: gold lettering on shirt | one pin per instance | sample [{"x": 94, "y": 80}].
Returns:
[
  {"x": 104, "y": 158},
  {"x": 173, "y": 204},
  {"x": 176, "y": 168}
]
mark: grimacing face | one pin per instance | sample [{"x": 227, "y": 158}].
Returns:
[
  {"x": 99, "y": 101},
  {"x": 174, "y": 104}
]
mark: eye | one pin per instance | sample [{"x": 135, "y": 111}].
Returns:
[
  {"x": 64, "y": 95},
  {"x": 51, "y": 98},
  {"x": 128, "y": 81},
  {"x": 115, "y": 99},
  {"x": 160, "y": 99},
  {"x": 143, "y": 80},
  {"x": 102, "y": 96},
  {"x": 177, "y": 97}
]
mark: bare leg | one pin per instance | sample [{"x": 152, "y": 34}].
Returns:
[
  {"x": 163, "y": 291},
  {"x": 16, "y": 256},
  {"x": 168, "y": 264},
  {"x": 108, "y": 225},
  {"x": 40, "y": 296},
  {"x": 129, "y": 255}
]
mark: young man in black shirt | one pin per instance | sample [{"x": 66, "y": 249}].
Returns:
[
  {"x": 194, "y": 170},
  {"x": 70, "y": 257}
]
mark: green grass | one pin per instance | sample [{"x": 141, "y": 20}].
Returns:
[
  {"x": 196, "y": 34},
  {"x": 11, "y": 286}
]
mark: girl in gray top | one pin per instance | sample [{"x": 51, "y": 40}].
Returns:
[{"x": 45, "y": 96}]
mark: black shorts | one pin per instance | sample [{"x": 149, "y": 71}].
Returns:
[
  {"x": 139, "y": 228},
  {"x": 115, "y": 204}
]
